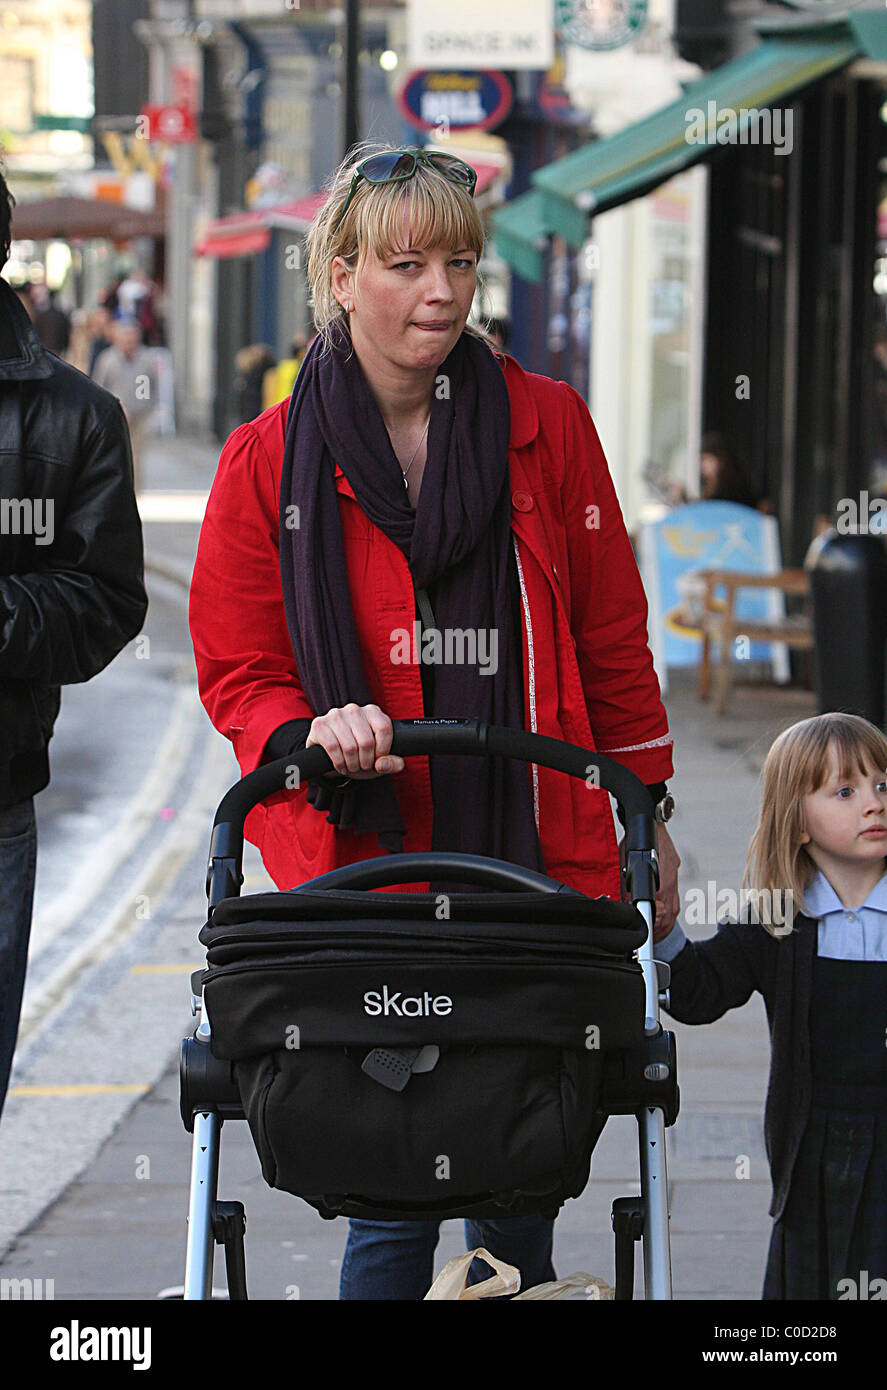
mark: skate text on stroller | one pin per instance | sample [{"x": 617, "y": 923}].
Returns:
[{"x": 405, "y": 1006}]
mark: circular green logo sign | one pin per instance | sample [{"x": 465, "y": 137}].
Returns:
[{"x": 600, "y": 24}]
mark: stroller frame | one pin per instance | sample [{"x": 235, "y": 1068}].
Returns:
[{"x": 647, "y": 1081}]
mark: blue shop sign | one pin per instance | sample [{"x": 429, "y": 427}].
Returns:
[{"x": 435, "y": 100}]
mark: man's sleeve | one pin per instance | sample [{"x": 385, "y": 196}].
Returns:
[
  {"x": 609, "y": 610},
  {"x": 62, "y": 623}
]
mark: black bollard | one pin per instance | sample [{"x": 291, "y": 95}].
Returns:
[{"x": 849, "y": 587}]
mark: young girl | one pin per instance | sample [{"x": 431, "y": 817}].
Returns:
[{"x": 821, "y": 845}]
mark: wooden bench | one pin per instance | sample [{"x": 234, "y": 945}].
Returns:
[{"x": 720, "y": 623}]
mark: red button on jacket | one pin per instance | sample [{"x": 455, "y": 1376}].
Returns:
[{"x": 588, "y": 673}]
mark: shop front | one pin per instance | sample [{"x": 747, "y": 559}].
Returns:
[{"x": 739, "y": 280}]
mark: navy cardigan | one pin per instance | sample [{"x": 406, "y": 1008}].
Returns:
[{"x": 710, "y": 977}]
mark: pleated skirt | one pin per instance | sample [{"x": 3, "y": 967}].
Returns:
[{"x": 831, "y": 1241}]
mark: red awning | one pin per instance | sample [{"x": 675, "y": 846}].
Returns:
[
  {"x": 246, "y": 233},
  {"x": 233, "y": 236},
  {"x": 486, "y": 175}
]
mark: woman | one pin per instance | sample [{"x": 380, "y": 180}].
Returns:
[
  {"x": 418, "y": 477},
  {"x": 723, "y": 475}
]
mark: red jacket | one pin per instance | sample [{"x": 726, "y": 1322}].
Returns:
[{"x": 588, "y": 673}]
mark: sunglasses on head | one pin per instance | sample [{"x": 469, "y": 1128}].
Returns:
[{"x": 396, "y": 165}]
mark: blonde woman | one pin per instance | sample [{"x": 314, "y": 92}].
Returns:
[
  {"x": 814, "y": 943},
  {"x": 416, "y": 478}
]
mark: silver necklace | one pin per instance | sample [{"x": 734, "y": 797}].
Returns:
[{"x": 406, "y": 470}]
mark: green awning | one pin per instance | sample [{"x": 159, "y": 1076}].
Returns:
[
  {"x": 521, "y": 235},
  {"x": 793, "y": 53},
  {"x": 635, "y": 160}
]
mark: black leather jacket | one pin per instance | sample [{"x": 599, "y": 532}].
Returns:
[{"x": 71, "y": 577}]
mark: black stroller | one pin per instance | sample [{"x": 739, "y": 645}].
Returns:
[{"x": 430, "y": 1055}]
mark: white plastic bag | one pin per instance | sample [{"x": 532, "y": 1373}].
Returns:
[
  {"x": 572, "y": 1286},
  {"x": 452, "y": 1282}
]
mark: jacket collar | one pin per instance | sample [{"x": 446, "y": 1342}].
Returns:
[
  {"x": 22, "y": 355},
  {"x": 524, "y": 415}
]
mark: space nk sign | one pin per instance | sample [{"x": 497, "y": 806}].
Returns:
[{"x": 499, "y": 34}]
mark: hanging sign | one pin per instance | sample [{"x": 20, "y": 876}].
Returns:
[
  {"x": 455, "y": 100},
  {"x": 599, "y": 24},
  {"x": 173, "y": 124},
  {"x": 503, "y": 34}
]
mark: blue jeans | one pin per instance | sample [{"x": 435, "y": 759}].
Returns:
[
  {"x": 18, "y": 866},
  {"x": 395, "y": 1259}
]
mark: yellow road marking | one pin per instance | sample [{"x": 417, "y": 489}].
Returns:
[{"x": 85, "y": 1090}]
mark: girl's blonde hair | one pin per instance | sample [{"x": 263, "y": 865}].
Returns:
[
  {"x": 798, "y": 764},
  {"x": 441, "y": 214}
]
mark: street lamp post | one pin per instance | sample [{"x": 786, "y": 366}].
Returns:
[{"x": 350, "y": 83}]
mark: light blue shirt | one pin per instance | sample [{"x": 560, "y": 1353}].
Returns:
[{"x": 844, "y": 933}]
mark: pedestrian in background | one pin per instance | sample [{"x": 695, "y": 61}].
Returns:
[
  {"x": 109, "y": 297},
  {"x": 723, "y": 477},
  {"x": 71, "y": 590},
  {"x": 820, "y": 850},
  {"x": 424, "y": 474},
  {"x": 53, "y": 325},
  {"x": 250, "y": 365},
  {"x": 131, "y": 291},
  {"x": 723, "y": 474},
  {"x": 99, "y": 329},
  {"x": 127, "y": 370},
  {"x": 279, "y": 379}
]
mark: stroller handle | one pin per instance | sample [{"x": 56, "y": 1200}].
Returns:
[{"x": 465, "y": 737}]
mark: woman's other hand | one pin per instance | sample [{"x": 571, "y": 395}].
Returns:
[
  {"x": 668, "y": 901},
  {"x": 357, "y": 739}
]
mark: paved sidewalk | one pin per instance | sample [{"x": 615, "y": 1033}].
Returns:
[{"x": 119, "y": 1229}]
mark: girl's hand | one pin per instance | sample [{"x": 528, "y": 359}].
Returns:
[
  {"x": 357, "y": 739},
  {"x": 668, "y": 900}
]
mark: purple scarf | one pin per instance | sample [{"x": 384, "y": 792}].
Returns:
[{"x": 458, "y": 539}]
